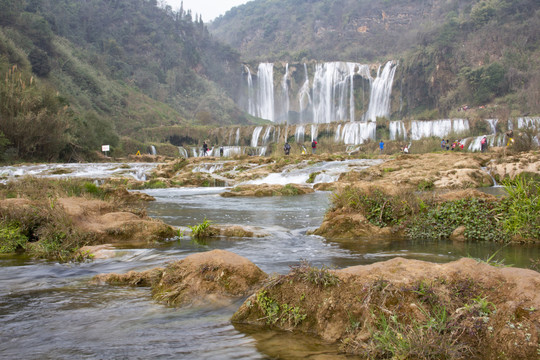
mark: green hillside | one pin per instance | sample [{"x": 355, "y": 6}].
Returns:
[
  {"x": 451, "y": 52},
  {"x": 113, "y": 69}
]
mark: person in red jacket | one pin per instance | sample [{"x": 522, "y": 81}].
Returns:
[{"x": 313, "y": 146}]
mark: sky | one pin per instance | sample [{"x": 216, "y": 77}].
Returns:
[{"x": 209, "y": 9}]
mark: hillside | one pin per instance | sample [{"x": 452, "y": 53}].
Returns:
[
  {"x": 451, "y": 53},
  {"x": 118, "y": 69}
]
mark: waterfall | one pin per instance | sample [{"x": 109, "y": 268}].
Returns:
[
  {"x": 237, "y": 140},
  {"x": 381, "y": 90},
  {"x": 153, "y": 150},
  {"x": 314, "y": 131},
  {"x": 528, "y": 122},
  {"x": 354, "y": 132},
  {"x": 397, "y": 130},
  {"x": 229, "y": 151},
  {"x": 285, "y": 94},
  {"x": 337, "y": 136},
  {"x": 333, "y": 99},
  {"x": 304, "y": 98},
  {"x": 299, "y": 134},
  {"x": 438, "y": 128},
  {"x": 265, "y": 95},
  {"x": 251, "y": 94},
  {"x": 183, "y": 152},
  {"x": 255, "y": 136},
  {"x": 493, "y": 124},
  {"x": 266, "y": 136}
]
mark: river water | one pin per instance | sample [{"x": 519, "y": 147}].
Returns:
[{"x": 52, "y": 311}]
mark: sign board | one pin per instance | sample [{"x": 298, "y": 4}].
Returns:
[{"x": 105, "y": 148}]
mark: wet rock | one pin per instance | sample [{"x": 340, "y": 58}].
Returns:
[
  {"x": 458, "y": 234},
  {"x": 268, "y": 190}
]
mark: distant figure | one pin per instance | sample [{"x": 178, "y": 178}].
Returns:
[
  {"x": 510, "y": 136},
  {"x": 381, "y": 147},
  {"x": 304, "y": 150},
  {"x": 484, "y": 144},
  {"x": 443, "y": 144},
  {"x": 205, "y": 148},
  {"x": 313, "y": 146},
  {"x": 221, "y": 151},
  {"x": 287, "y": 148},
  {"x": 447, "y": 144}
]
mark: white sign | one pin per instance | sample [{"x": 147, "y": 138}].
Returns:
[{"x": 105, "y": 148}]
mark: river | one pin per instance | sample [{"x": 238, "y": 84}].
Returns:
[{"x": 52, "y": 311}]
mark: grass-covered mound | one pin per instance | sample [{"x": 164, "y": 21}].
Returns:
[
  {"x": 406, "y": 309},
  {"x": 361, "y": 211},
  {"x": 55, "y": 218}
]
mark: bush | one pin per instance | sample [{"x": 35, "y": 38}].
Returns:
[
  {"x": 520, "y": 210},
  {"x": 11, "y": 239}
]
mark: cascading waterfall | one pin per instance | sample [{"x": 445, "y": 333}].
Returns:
[
  {"x": 183, "y": 152},
  {"x": 304, "y": 97},
  {"x": 266, "y": 136},
  {"x": 437, "y": 128},
  {"x": 299, "y": 134},
  {"x": 265, "y": 95},
  {"x": 337, "y": 135},
  {"x": 251, "y": 93},
  {"x": 314, "y": 131},
  {"x": 285, "y": 94},
  {"x": 493, "y": 124},
  {"x": 528, "y": 122},
  {"x": 333, "y": 99},
  {"x": 255, "y": 136},
  {"x": 153, "y": 150},
  {"x": 237, "y": 140},
  {"x": 381, "y": 89},
  {"x": 355, "y": 132},
  {"x": 397, "y": 130}
]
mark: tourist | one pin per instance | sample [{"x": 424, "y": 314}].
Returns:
[
  {"x": 221, "y": 151},
  {"x": 447, "y": 144},
  {"x": 287, "y": 148},
  {"x": 205, "y": 148},
  {"x": 381, "y": 147},
  {"x": 484, "y": 144},
  {"x": 443, "y": 144},
  {"x": 313, "y": 146}
]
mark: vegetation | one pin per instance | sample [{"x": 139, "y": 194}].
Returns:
[
  {"x": 200, "y": 231},
  {"x": 513, "y": 217}
]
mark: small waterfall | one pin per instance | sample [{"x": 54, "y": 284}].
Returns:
[
  {"x": 493, "y": 124},
  {"x": 337, "y": 136},
  {"x": 183, "y": 152},
  {"x": 355, "y": 133},
  {"x": 528, "y": 122},
  {"x": 381, "y": 90},
  {"x": 285, "y": 94},
  {"x": 208, "y": 168},
  {"x": 438, "y": 128},
  {"x": 229, "y": 151},
  {"x": 265, "y": 96},
  {"x": 304, "y": 98},
  {"x": 397, "y": 130},
  {"x": 314, "y": 131},
  {"x": 266, "y": 136},
  {"x": 153, "y": 150},
  {"x": 299, "y": 134},
  {"x": 255, "y": 136},
  {"x": 237, "y": 140}
]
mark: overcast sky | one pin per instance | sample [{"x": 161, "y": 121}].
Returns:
[{"x": 209, "y": 9}]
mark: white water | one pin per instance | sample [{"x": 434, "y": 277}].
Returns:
[
  {"x": 438, "y": 128},
  {"x": 333, "y": 98},
  {"x": 183, "y": 152},
  {"x": 285, "y": 94},
  {"x": 208, "y": 168},
  {"x": 381, "y": 90},
  {"x": 255, "y": 136},
  {"x": 267, "y": 133},
  {"x": 397, "y": 130},
  {"x": 528, "y": 122},
  {"x": 355, "y": 133},
  {"x": 265, "y": 94},
  {"x": 138, "y": 171},
  {"x": 328, "y": 172},
  {"x": 493, "y": 125},
  {"x": 314, "y": 131},
  {"x": 330, "y": 98},
  {"x": 153, "y": 150},
  {"x": 299, "y": 134}
]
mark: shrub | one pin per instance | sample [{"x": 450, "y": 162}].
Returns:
[
  {"x": 201, "y": 230},
  {"x": 520, "y": 210},
  {"x": 11, "y": 239}
]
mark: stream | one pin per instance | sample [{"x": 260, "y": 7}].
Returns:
[{"x": 52, "y": 311}]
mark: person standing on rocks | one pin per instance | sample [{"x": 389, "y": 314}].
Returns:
[
  {"x": 287, "y": 148},
  {"x": 381, "y": 147},
  {"x": 313, "y": 146},
  {"x": 205, "y": 148}
]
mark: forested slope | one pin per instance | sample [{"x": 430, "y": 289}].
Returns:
[{"x": 112, "y": 68}]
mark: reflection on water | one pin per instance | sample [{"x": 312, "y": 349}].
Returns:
[{"x": 51, "y": 310}]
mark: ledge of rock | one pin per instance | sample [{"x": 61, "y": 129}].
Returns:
[{"x": 268, "y": 190}]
